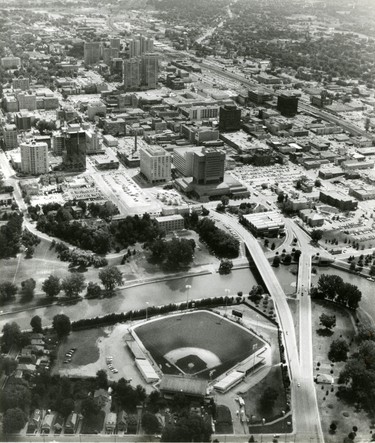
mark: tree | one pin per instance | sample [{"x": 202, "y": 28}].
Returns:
[
  {"x": 358, "y": 376},
  {"x": 16, "y": 395},
  {"x": 110, "y": 277},
  {"x": 150, "y": 423},
  {"x": 89, "y": 407},
  {"x": 51, "y": 286},
  {"x": 226, "y": 266},
  {"x": 93, "y": 290},
  {"x": 338, "y": 350},
  {"x": 287, "y": 259},
  {"x": 255, "y": 294},
  {"x": 73, "y": 284},
  {"x": 318, "y": 183},
  {"x": 297, "y": 255},
  {"x": 328, "y": 321},
  {"x": 333, "y": 427},
  {"x": 328, "y": 284},
  {"x": 66, "y": 407},
  {"x": 102, "y": 379},
  {"x": 36, "y": 324},
  {"x": 7, "y": 291},
  {"x": 276, "y": 261},
  {"x": 14, "y": 420},
  {"x": 7, "y": 365},
  {"x": 61, "y": 324},
  {"x": 187, "y": 428},
  {"x": 27, "y": 289},
  {"x": 316, "y": 235},
  {"x": 365, "y": 332},
  {"x": 12, "y": 336}
]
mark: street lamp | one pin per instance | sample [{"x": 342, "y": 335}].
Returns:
[
  {"x": 146, "y": 310},
  {"x": 187, "y": 287},
  {"x": 227, "y": 292}
]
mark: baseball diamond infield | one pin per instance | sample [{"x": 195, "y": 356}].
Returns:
[{"x": 198, "y": 343}]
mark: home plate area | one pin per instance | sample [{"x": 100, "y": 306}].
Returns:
[{"x": 192, "y": 360}]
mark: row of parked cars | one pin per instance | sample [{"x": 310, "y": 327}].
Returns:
[
  {"x": 69, "y": 355},
  {"x": 110, "y": 365}
]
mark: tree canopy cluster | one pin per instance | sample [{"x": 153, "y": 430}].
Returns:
[
  {"x": 13, "y": 336},
  {"x": 333, "y": 287},
  {"x": 174, "y": 254},
  {"x": 357, "y": 377},
  {"x": 10, "y": 236},
  {"x": 8, "y": 290},
  {"x": 220, "y": 242},
  {"x": 99, "y": 237}
]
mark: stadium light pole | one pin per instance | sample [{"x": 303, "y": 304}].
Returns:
[{"x": 187, "y": 287}]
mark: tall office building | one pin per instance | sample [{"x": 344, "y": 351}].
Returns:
[
  {"x": 10, "y": 62},
  {"x": 132, "y": 73},
  {"x": 57, "y": 143},
  {"x": 115, "y": 43},
  {"x": 117, "y": 67},
  {"x": 10, "y": 136},
  {"x": 134, "y": 48},
  {"x": 109, "y": 54},
  {"x": 21, "y": 83},
  {"x": 155, "y": 164},
  {"x": 24, "y": 120},
  {"x": 147, "y": 44},
  {"x": 287, "y": 104},
  {"x": 92, "y": 142},
  {"x": 26, "y": 101},
  {"x": 230, "y": 118},
  {"x": 74, "y": 149},
  {"x": 150, "y": 70},
  {"x": 208, "y": 166},
  {"x": 140, "y": 45},
  {"x": 34, "y": 157},
  {"x": 91, "y": 52}
]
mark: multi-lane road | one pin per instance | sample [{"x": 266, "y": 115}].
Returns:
[{"x": 305, "y": 409}]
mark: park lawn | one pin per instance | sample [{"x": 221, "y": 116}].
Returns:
[
  {"x": 87, "y": 349},
  {"x": 274, "y": 380},
  {"x": 93, "y": 424},
  {"x": 43, "y": 263},
  {"x": 224, "y": 423},
  {"x": 331, "y": 408}
]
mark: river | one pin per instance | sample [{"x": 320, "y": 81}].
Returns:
[
  {"x": 172, "y": 291},
  {"x": 288, "y": 282}
]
